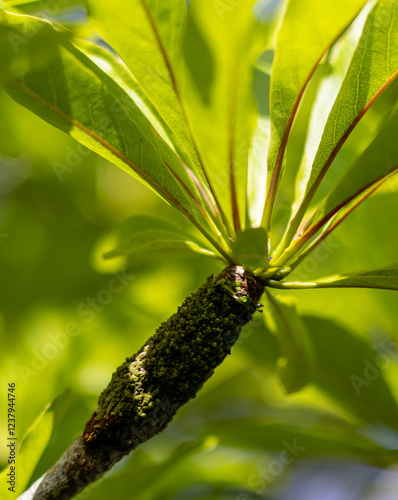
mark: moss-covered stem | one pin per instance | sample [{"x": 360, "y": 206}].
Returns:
[{"x": 148, "y": 388}]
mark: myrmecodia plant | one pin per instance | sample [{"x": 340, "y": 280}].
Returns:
[{"x": 178, "y": 110}]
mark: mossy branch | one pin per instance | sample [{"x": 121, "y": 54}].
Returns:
[{"x": 148, "y": 388}]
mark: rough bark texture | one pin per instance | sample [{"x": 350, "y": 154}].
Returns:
[{"x": 146, "y": 391}]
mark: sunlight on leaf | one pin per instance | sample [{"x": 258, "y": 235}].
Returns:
[
  {"x": 148, "y": 39},
  {"x": 257, "y": 168},
  {"x": 378, "y": 162},
  {"x": 372, "y": 69},
  {"x": 26, "y": 47},
  {"x": 220, "y": 108},
  {"x": 143, "y": 233},
  {"x": 337, "y": 64},
  {"x": 386, "y": 279},
  {"x": 75, "y": 95},
  {"x": 158, "y": 240},
  {"x": 148, "y": 473},
  {"x": 308, "y": 30}
]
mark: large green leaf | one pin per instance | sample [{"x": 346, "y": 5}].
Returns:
[
  {"x": 218, "y": 97},
  {"x": 148, "y": 39},
  {"x": 141, "y": 234},
  {"x": 251, "y": 248},
  {"x": 117, "y": 70},
  {"x": 299, "y": 434},
  {"x": 352, "y": 372},
  {"x": 25, "y": 46},
  {"x": 386, "y": 279},
  {"x": 49, "y": 9},
  {"x": 75, "y": 95},
  {"x": 33, "y": 445},
  {"x": 257, "y": 168},
  {"x": 372, "y": 69},
  {"x": 296, "y": 361},
  {"x": 378, "y": 162},
  {"x": 308, "y": 30},
  {"x": 336, "y": 66}
]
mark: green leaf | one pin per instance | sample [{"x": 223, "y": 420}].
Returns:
[
  {"x": 295, "y": 363},
  {"x": 300, "y": 434},
  {"x": 148, "y": 39},
  {"x": 36, "y": 4},
  {"x": 257, "y": 168},
  {"x": 76, "y": 96},
  {"x": 26, "y": 47},
  {"x": 141, "y": 234},
  {"x": 373, "y": 68},
  {"x": 34, "y": 443},
  {"x": 156, "y": 240},
  {"x": 220, "y": 49},
  {"x": 377, "y": 163},
  {"x": 251, "y": 248},
  {"x": 118, "y": 71},
  {"x": 348, "y": 370},
  {"x": 386, "y": 279},
  {"x": 308, "y": 30},
  {"x": 336, "y": 67}
]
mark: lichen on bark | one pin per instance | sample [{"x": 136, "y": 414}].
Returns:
[
  {"x": 148, "y": 388},
  {"x": 146, "y": 391}
]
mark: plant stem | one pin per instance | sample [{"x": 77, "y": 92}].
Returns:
[
  {"x": 290, "y": 286},
  {"x": 148, "y": 388},
  {"x": 290, "y": 251}
]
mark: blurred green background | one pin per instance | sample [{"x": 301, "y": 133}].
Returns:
[{"x": 63, "y": 325}]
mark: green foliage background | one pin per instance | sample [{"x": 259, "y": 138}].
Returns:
[{"x": 217, "y": 445}]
